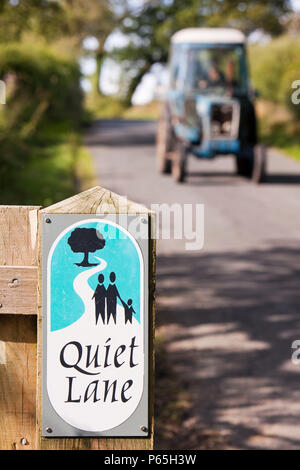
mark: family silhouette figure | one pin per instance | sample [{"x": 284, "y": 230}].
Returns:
[{"x": 106, "y": 301}]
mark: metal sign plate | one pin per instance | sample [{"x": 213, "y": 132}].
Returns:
[{"x": 95, "y": 325}]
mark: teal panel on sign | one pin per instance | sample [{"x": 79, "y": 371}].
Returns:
[
  {"x": 95, "y": 325},
  {"x": 67, "y": 305}
]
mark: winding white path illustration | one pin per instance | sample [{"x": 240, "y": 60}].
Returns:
[
  {"x": 101, "y": 415},
  {"x": 82, "y": 287}
]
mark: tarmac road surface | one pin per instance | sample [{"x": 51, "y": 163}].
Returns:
[{"x": 230, "y": 312}]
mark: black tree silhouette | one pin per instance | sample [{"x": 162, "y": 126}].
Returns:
[{"x": 86, "y": 240}]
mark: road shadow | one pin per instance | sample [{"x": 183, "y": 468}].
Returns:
[
  {"x": 214, "y": 178},
  {"x": 126, "y": 133},
  {"x": 283, "y": 178},
  {"x": 224, "y": 178},
  {"x": 229, "y": 320},
  {"x": 120, "y": 133},
  {"x": 210, "y": 178}
]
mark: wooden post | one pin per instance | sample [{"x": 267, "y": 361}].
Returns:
[
  {"x": 100, "y": 201},
  {"x": 18, "y": 309}
]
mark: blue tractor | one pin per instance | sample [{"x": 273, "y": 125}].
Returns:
[{"x": 208, "y": 108}]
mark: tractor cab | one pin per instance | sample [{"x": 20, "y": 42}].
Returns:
[{"x": 208, "y": 110}]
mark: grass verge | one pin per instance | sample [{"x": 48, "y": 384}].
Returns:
[
  {"x": 146, "y": 111},
  {"x": 171, "y": 400},
  {"x": 110, "y": 107},
  {"x": 176, "y": 422},
  {"x": 278, "y": 128}
]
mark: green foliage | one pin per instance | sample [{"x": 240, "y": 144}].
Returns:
[
  {"x": 292, "y": 74},
  {"x": 43, "y": 94},
  {"x": 274, "y": 66},
  {"x": 101, "y": 106},
  {"x": 41, "y": 159},
  {"x": 37, "y": 76},
  {"x": 55, "y": 19},
  {"x": 58, "y": 167},
  {"x": 38, "y": 16},
  {"x": 149, "y": 111},
  {"x": 104, "y": 107},
  {"x": 250, "y": 15},
  {"x": 66, "y": 22},
  {"x": 151, "y": 26},
  {"x": 283, "y": 135}
]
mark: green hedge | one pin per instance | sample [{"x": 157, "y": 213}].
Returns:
[
  {"x": 274, "y": 66},
  {"x": 44, "y": 106},
  {"x": 41, "y": 87}
]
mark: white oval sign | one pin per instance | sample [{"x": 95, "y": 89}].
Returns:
[{"x": 95, "y": 323}]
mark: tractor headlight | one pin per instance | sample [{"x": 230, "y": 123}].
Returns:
[{"x": 202, "y": 108}]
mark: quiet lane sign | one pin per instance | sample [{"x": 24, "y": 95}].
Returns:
[{"x": 95, "y": 325}]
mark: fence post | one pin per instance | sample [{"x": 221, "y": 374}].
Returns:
[
  {"x": 18, "y": 309},
  {"x": 100, "y": 201}
]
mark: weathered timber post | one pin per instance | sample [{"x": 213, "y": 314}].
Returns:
[
  {"x": 22, "y": 305},
  {"x": 18, "y": 310},
  {"x": 91, "y": 404}
]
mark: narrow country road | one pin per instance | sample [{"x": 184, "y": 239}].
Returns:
[{"x": 230, "y": 312}]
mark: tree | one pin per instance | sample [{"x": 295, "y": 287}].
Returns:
[
  {"x": 90, "y": 18},
  {"x": 86, "y": 240},
  {"x": 55, "y": 21},
  {"x": 150, "y": 27}
]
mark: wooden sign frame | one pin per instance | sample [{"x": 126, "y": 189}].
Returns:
[
  {"x": 21, "y": 330},
  {"x": 136, "y": 424}
]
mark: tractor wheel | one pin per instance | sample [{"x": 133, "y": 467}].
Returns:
[
  {"x": 244, "y": 166},
  {"x": 259, "y": 166},
  {"x": 164, "y": 143},
  {"x": 179, "y": 163}
]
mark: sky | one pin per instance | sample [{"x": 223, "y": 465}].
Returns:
[{"x": 296, "y": 4}]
